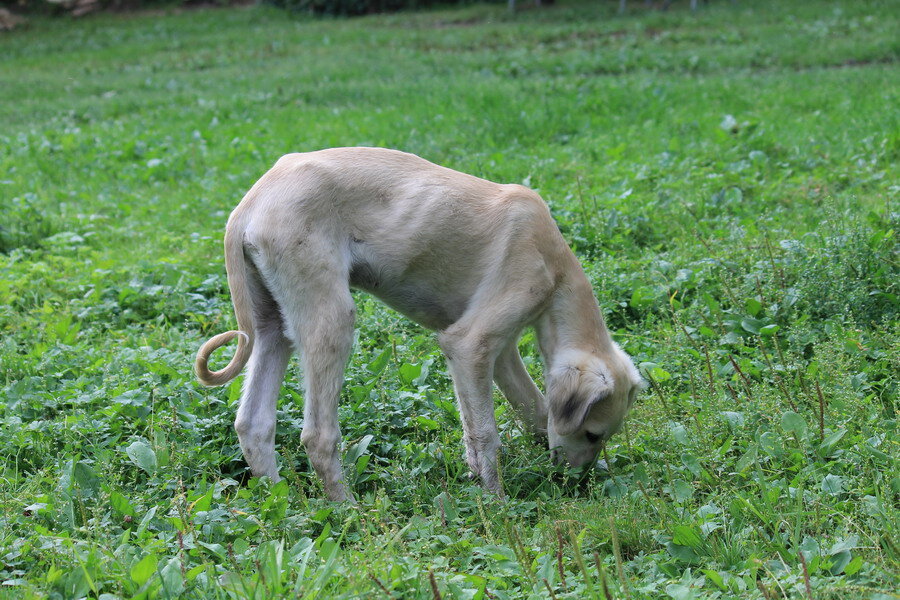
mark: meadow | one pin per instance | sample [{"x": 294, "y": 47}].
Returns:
[{"x": 728, "y": 178}]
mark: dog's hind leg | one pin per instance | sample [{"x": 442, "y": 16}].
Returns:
[
  {"x": 319, "y": 316},
  {"x": 255, "y": 421},
  {"x": 519, "y": 389},
  {"x": 326, "y": 339}
]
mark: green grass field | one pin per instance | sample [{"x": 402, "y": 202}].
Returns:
[{"x": 729, "y": 179}]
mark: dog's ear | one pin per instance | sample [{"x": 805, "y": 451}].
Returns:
[{"x": 572, "y": 392}]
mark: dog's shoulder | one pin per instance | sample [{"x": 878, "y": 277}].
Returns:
[{"x": 523, "y": 204}]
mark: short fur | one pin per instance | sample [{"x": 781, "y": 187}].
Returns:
[{"x": 474, "y": 260}]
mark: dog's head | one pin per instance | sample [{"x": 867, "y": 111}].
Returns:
[{"x": 589, "y": 397}]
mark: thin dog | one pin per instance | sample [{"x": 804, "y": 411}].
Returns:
[{"x": 474, "y": 260}]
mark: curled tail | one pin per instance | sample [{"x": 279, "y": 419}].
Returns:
[{"x": 236, "y": 267}]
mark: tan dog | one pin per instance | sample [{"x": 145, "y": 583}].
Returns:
[{"x": 474, "y": 260}]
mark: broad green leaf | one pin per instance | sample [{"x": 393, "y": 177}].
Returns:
[
  {"x": 143, "y": 569},
  {"x": 770, "y": 442},
  {"x": 234, "y": 392},
  {"x": 377, "y": 366},
  {"x": 358, "y": 449},
  {"x": 121, "y": 504},
  {"x": 203, "y": 502},
  {"x": 792, "y": 422},
  {"x": 614, "y": 488},
  {"x": 680, "y": 591},
  {"x": 424, "y": 370},
  {"x": 145, "y": 521},
  {"x": 752, "y": 325},
  {"x": 753, "y": 306},
  {"x": 427, "y": 423},
  {"x": 87, "y": 481},
  {"x": 361, "y": 464},
  {"x": 320, "y": 515},
  {"x": 841, "y": 561},
  {"x": 684, "y": 276},
  {"x": 172, "y": 579},
  {"x": 832, "y": 484},
  {"x": 692, "y": 463},
  {"x": 853, "y": 566},
  {"x": 217, "y": 549},
  {"x": 810, "y": 547},
  {"x": 685, "y": 535},
  {"x": 769, "y": 330},
  {"x": 659, "y": 375},
  {"x": 711, "y": 303},
  {"x": 715, "y": 578},
  {"x": 446, "y": 506},
  {"x": 679, "y": 433},
  {"x": 142, "y": 455},
  {"x": 409, "y": 372},
  {"x": 682, "y": 490},
  {"x": 682, "y": 553},
  {"x": 851, "y": 542},
  {"x": 735, "y": 419}
]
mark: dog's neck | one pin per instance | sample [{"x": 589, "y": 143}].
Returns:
[{"x": 572, "y": 323}]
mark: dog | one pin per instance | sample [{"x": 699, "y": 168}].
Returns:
[{"x": 473, "y": 260}]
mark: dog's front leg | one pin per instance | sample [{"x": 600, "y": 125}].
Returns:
[
  {"x": 470, "y": 364},
  {"x": 519, "y": 389}
]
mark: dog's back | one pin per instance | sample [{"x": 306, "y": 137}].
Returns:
[{"x": 412, "y": 232}]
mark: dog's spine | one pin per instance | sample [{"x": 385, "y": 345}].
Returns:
[{"x": 236, "y": 268}]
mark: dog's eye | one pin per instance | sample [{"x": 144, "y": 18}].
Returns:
[{"x": 592, "y": 437}]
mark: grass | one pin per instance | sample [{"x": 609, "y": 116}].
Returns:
[{"x": 727, "y": 177}]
